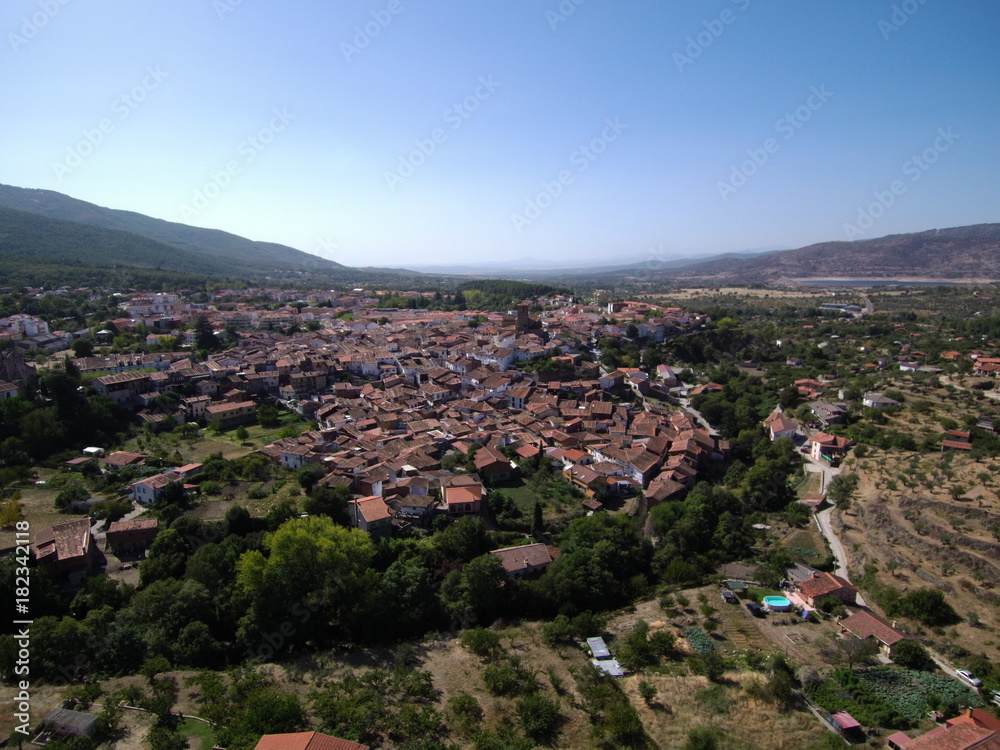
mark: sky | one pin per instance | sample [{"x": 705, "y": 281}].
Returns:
[{"x": 409, "y": 132}]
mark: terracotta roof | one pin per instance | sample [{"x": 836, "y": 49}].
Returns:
[
  {"x": 373, "y": 508},
  {"x": 957, "y": 737},
  {"x": 136, "y": 524},
  {"x": 65, "y": 540},
  {"x": 514, "y": 559},
  {"x": 866, "y": 625},
  {"x": 306, "y": 741},
  {"x": 823, "y": 584}
]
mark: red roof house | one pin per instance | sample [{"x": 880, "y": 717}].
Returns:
[{"x": 306, "y": 741}]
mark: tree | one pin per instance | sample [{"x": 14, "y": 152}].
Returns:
[
  {"x": 537, "y": 524},
  {"x": 841, "y": 490},
  {"x": 241, "y": 433},
  {"x": 330, "y": 502},
  {"x": 10, "y": 513},
  {"x": 851, "y": 651},
  {"x": 647, "y": 691},
  {"x": 474, "y": 594},
  {"x": 481, "y": 642},
  {"x": 205, "y": 338},
  {"x": 539, "y": 717},
  {"x": 267, "y": 416},
  {"x": 912, "y": 655},
  {"x": 928, "y": 606},
  {"x": 312, "y": 562},
  {"x": 82, "y": 348}
]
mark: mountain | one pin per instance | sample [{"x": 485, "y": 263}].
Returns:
[
  {"x": 532, "y": 268},
  {"x": 959, "y": 253},
  {"x": 220, "y": 252}
]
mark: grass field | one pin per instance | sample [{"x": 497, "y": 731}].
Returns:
[{"x": 195, "y": 731}]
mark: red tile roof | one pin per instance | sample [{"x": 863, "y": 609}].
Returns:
[
  {"x": 823, "y": 584},
  {"x": 866, "y": 625},
  {"x": 306, "y": 741},
  {"x": 957, "y": 737}
]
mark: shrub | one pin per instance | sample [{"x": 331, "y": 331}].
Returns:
[
  {"x": 481, "y": 642},
  {"x": 539, "y": 717},
  {"x": 509, "y": 678}
]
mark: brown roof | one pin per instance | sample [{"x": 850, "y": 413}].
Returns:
[
  {"x": 64, "y": 540},
  {"x": 514, "y": 559},
  {"x": 823, "y": 584},
  {"x": 373, "y": 508},
  {"x": 957, "y": 737},
  {"x": 866, "y": 625},
  {"x": 306, "y": 741},
  {"x": 136, "y": 524}
]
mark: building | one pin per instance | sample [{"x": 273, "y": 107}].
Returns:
[
  {"x": 150, "y": 489},
  {"x": 526, "y": 560},
  {"x": 972, "y": 729},
  {"x": 306, "y": 741},
  {"x": 463, "y": 499},
  {"x": 864, "y": 624},
  {"x": 67, "y": 551},
  {"x": 123, "y": 388},
  {"x": 132, "y": 538},
  {"x": 875, "y": 400},
  {"x": 830, "y": 448},
  {"x": 231, "y": 414},
  {"x": 778, "y": 426},
  {"x": 371, "y": 514},
  {"x": 822, "y": 585}
]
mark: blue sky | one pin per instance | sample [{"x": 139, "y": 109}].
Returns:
[{"x": 404, "y": 132}]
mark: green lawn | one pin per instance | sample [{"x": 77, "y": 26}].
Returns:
[
  {"x": 258, "y": 436},
  {"x": 522, "y": 495},
  {"x": 189, "y": 728}
]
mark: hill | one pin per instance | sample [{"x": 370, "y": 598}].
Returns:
[
  {"x": 221, "y": 252},
  {"x": 37, "y": 250},
  {"x": 959, "y": 254}
]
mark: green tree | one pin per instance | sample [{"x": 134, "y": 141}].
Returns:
[
  {"x": 537, "y": 524},
  {"x": 310, "y": 560},
  {"x": 475, "y": 594},
  {"x": 912, "y": 655},
  {"x": 539, "y": 717},
  {"x": 83, "y": 348}
]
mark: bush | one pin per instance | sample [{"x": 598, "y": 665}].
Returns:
[
  {"x": 539, "y": 717},
  {"x": 481, "y": 642},
  {"x": 912, "y": 655},
  {"x": 465, "y": 711},
  {"x": 509, "y": 678}
]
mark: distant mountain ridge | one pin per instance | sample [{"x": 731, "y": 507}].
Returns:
[
  {"x": 957, "y": 253},
  {"x": 222, "y": 253}
]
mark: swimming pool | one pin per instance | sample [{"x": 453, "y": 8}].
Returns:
[{"x": 777, "y": 603}]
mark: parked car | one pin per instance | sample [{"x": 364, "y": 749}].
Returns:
[
  {"x": 995, "y": 697},
  {"x": 966, "y": 676},
  {"x": 728, "y": 596},
  {"x": 755, "y": 610}
]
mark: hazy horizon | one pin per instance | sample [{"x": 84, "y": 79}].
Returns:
[{"x": 400, "y": 134}]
